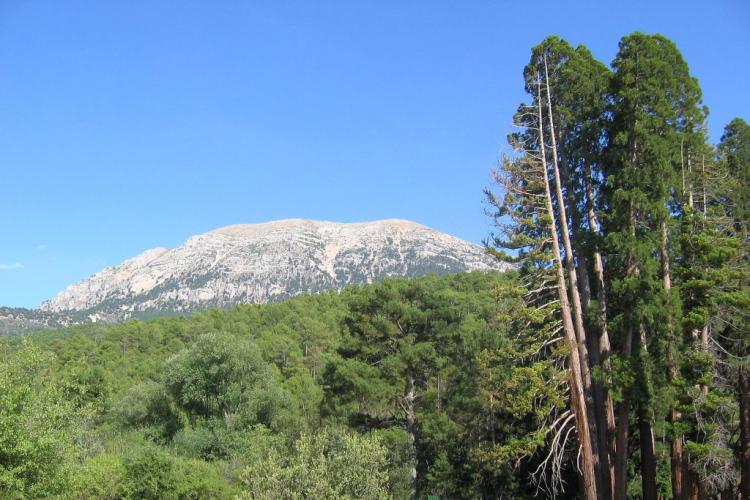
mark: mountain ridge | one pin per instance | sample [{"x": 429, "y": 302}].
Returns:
[{"x": 266, "y": 262}]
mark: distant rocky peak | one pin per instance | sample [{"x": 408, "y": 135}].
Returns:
[{"x": 258, "y": 263}]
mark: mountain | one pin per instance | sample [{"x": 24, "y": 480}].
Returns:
[
  {"x": 267, "y": 262},
  {"x": 14, "y": 320}
]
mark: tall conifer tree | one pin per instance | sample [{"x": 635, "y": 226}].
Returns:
[{"x": 654, "y": 101}]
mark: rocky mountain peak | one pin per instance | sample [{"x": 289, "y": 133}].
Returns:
[{"x": 257, "y": 263}]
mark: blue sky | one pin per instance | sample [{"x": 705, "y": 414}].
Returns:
[{"x": 135, "y": 124}]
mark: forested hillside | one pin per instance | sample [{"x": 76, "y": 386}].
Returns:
[{"x": 371, "y": 393}]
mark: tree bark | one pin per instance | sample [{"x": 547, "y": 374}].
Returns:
[
  {"x": 704, "y": 348},
  {"x": 605, "y": 347},
  {"x": 677, "y": 459},
  {"x": 411, "y": 429},
  {"x": 623, "y": 427},
  {"x": 646, "y": 429},
  {"x": 648, "y": 455},
  {"x": 693, "y": 489},
  {"x": 703, "y": 184},
  {"x": 623, "y": 410}
]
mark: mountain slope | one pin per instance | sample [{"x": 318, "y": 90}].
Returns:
[
  {"x": 268, "y": 262},
  {"x": 15, "y": 320}
]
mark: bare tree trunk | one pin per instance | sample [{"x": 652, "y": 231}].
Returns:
[
  {"x": 677, "y": 459},
  {"x": 605, "y": 347},
  {"x": 690, "y": 182},
  {"x": 704, "y": 348},
  {"x": 645, "y": 423},
  {"x": 648, "y": 455},
  {"x": 623, "y": 426},
  {"x": 584, "y": 283},
  {"x": 578, "y": 399},
  {"x": 694, "y": 490},
  {"x": 703, "y": 183},
  {"x": 623, "y": 410},
  {"x": 646, "y": 430},
  {"x": 743, "y": 392},
  {"x": 664, "y": 250},
  {"x": 411, "y": 429},
  {"x": 682, "y": 164},
  {"x": 601, "y": 462}
]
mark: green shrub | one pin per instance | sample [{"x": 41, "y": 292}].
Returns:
[{"x": 102, "y": 477}]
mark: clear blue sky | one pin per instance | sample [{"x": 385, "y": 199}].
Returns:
[{"x": 135, "y": 124}]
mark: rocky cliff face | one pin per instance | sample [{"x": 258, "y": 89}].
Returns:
[
  {"x": 266, "y": 262},
  {"x": 15, "y": 320}
]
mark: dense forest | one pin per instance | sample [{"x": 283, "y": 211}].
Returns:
[
  {"x": 613, "y": 363},
  {"x": 375, "y": 392}
]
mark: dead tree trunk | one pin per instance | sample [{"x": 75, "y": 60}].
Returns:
[
  {"x": 677, "y": 459},
  {"x": 411, "y": 429},
  {"x": 605, "y": 348}
]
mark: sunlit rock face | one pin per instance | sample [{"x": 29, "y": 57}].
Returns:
[{"x": 259, "y": 263}]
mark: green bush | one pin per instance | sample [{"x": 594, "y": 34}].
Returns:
[
  {"x": 102, "y": 477},
  {"x": 150, "y": 474},
  {"x": 36, "y": 420}
]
